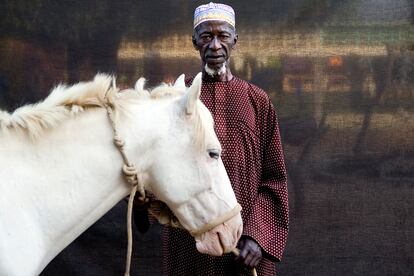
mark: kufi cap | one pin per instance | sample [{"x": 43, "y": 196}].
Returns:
[{"x": 214, "y": 11}]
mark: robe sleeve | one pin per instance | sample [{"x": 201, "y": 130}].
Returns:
[{"x": 268, "y": 221}]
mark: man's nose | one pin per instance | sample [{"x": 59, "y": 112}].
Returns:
[{"x": 215, "y": 43}]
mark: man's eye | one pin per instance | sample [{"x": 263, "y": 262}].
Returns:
[{"x": 206, "y": 37}]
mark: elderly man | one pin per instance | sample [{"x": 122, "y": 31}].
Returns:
[{"x": 247, "y": 128}]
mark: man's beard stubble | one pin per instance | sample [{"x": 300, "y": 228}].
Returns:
[{"x": 215, "y": 72}]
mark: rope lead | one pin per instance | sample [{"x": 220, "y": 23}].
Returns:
[{"x": 131, "y": 175}]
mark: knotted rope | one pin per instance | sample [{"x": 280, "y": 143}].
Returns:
[{"x": 132, "y": 177}]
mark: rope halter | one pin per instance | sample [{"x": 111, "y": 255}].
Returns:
[{"x": 132, "y": 176}]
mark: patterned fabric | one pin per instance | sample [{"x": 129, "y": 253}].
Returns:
[
  {"x": 247, "y": 128},
  {"x": 214, "y": 11}
]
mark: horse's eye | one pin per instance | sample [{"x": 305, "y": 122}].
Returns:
[{"x": 213, "y": 153}]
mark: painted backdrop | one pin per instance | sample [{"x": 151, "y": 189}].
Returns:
[{"x": 340, "y": 74}]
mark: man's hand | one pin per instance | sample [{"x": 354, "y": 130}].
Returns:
[{"x": 250, "y": 252}]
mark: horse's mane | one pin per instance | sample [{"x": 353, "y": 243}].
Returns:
[{"x": 65, "y": 102}]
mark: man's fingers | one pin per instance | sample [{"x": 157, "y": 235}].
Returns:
[
  {"x": 249, "y": 258},
  {"x": 242, "y": 256},
  {"x": 255, "y": 261},
  {"x": 252, "y": 259},
  {"x": 244, "y": 251},
  {"x": 250, "y": 253}
]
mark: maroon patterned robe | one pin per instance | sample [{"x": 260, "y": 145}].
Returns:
[{"x": 246, "y": 125}]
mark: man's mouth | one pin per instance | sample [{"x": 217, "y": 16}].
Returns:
[{"x": 214, "y": 57}]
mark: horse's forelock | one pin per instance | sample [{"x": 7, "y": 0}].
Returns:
[
  {"x": 201, "y": 118},
  {"x": 165, "y": 91}
]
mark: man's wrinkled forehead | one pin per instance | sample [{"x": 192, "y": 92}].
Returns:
[
  {"x": 214, "y": 26},
  {"x": 213, "y": 12}
]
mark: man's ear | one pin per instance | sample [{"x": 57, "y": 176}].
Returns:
[
  {"x": 236, "y": 38},
  {"x": 194, "y": 42}
]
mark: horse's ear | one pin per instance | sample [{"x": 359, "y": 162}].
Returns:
[
  {"x": 139, "y": 85},
  {"x": 180, "y": 83},
  {"x": 113, "y": 82},
  {"x": 193, "y": 94}
]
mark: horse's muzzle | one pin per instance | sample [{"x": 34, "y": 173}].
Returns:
[{"x": 221, "y": 239}]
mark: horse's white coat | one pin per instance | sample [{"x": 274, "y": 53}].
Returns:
[{"x": 57, "y": 183}]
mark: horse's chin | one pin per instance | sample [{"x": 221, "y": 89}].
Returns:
[{"x": 221, "y": 239}]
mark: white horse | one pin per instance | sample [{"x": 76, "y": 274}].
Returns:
[{"x": 60, "y": 172}]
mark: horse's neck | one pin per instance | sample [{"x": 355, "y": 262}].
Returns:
[{"x": 54, "y": 189}]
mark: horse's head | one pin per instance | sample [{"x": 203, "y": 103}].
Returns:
[{"x": 187, "y": 174}]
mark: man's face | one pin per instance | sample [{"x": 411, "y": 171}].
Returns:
[{"x": 214, "y": 40}]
